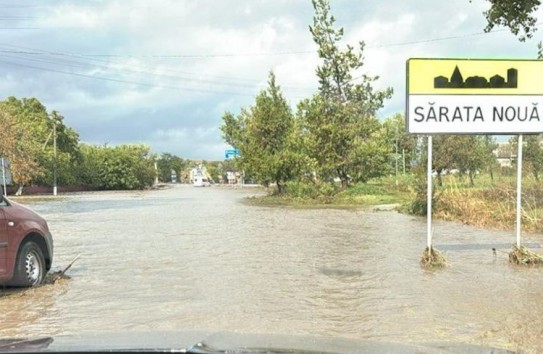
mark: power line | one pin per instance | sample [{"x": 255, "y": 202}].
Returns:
[
  {"x": 36, "y": 56},
  {"x": 20, "y": 28},
  {"x": 254, "y": 54},
  {"x": 144, "y": 84},
  {"x": 71, "y": 60},
  {"x": 79, "y": 65},
  {"x": 17, "y": 18}
]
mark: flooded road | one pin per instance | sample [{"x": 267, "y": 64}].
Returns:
[{"x": 200, "y": 259}]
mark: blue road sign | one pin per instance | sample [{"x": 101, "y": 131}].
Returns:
[{"x": 229, "y": 153}]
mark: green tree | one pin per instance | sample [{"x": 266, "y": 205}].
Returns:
[
  {"x": 263, "y": 135},
  {"x": 212, "y": 169},
  {"x": 532, "y": 153},
  {"x": 517, "y": 15},
  {"x": 468, "y": 154},
  {"x": 31, "y": 114},
  {"x": 490, "y": 160},
  {"x": 339, "y": 121},
  {"x": 17, "y": 145},
  {"x": 443, "y": 159},
  {"x": 116, "y": 168},
  {"x": 68, "y": 155},
  {"x": 168, "y": 163},
  {"x": 402, "y": 143}
]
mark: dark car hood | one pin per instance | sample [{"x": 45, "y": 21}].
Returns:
[{"x": 202, "y": 342}]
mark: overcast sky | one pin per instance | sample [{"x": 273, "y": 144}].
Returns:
[{"x": 163, "y": 72}]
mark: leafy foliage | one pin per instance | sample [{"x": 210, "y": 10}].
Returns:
[
  {"x": 402, "y": 143},
  {"x": 120, "y": 167},
  {"x": 514, "y": 14},
  {"x": 339, "y": 122},
  {"x": 18, "y": 146},
  {"x": 466, "y": 153},
  {"x": 532, "y": 153},
  {"x": 264, "y": 136},
  {"x": 168, "y": 163},
  {"x": 34, "y": 160}
]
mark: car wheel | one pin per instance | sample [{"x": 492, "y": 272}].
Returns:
[{"x": 30, "y": 266}]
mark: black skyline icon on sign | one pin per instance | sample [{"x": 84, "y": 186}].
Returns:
[{"x": 496, "y": 81}]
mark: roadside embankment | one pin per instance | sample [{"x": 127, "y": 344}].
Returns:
[{"x": 492, "y": 207}]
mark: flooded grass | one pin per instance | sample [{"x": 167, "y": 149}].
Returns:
[
  {"x": 493, "y": 207},
  {"x": 523, "y": 256},
  {"x": 375, "y": 193},
  {"x": 432, "y": 259}
]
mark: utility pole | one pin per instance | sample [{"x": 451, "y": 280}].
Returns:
[
  {"x": 55, "y": 157},
  {"x": 53, "y": 117},
  {"x": 396, "y": 155}
]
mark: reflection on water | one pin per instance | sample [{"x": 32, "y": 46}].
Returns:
[{"x": 199, "y": 259}]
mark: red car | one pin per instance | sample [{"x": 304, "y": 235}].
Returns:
[{"x": 26, "y": 245}]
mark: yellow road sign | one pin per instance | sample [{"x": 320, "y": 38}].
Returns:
[
  {"x": 474, "y": 96},
  {"x": 474, "y": 77}
]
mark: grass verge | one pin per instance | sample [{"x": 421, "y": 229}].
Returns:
[
  {"x": 326, "y": 195},
  {"x": 493, "y": 207}
]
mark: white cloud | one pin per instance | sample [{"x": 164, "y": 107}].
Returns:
[{"x": 164, "y": 72}]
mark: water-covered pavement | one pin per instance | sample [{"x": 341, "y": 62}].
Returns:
[{"x": 190, "y": 258}]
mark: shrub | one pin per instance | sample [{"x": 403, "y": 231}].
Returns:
[{"x": 310, "y": 189}]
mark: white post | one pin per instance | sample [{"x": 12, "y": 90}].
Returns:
[
  {"x": 403, "y": 158},
  {"x": 55, "y": 157},
  {"x": 4, "y": 176},
  {"x": 156, "y": 174},
  {"x": 396, "y": 155},
  {"x": 519, "y": 187},
  {"x": 429, "y": 195}
]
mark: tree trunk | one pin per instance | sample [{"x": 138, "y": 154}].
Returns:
[
  {"x": 491, "y": 170},
  {"x": 280, "y": 188},
  {"x": 439, "y": 179},
  {"x": 470, "y": 175},
  {"x": 344, "y": 179}
]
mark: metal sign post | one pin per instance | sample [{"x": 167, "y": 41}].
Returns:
[
  {"x": 519, "y": 188},
  {"x": 429, "y": 195}
]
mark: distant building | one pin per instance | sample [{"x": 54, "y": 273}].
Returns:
[
  {"x": 504, "y": 155},
  {"x": 496, "y": 81}
]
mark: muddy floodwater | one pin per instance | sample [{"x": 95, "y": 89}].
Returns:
[{"x": 188, "y": 258}]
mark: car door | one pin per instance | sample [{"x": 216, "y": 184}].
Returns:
[{"x": 3, "y": 240}]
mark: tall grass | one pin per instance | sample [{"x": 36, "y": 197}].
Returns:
[{"x": 492, "y": 207}]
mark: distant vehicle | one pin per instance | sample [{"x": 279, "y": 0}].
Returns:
[
  {"x": 26, "y": 245},
  {"x": 200, "y": 177},
  {"x": 201, "y": 181}
]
